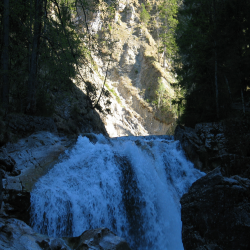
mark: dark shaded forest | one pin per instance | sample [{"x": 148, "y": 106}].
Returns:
[
  {"x": 213, "y": 59},
  {"x": 43, "y": 48}
]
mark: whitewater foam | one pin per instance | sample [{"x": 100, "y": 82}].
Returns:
[{"x": 131, "y": 185}]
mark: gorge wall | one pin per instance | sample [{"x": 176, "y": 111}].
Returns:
[
  {"x": 134, "y": 75},
  {"x": 215, "y": 210},
  {"x": 136, "y": 81}
]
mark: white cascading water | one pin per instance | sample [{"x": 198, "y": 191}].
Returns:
[{"x": 131, "y": 185}]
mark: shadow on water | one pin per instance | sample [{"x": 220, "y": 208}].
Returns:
[{"x": 133, "y": 201}]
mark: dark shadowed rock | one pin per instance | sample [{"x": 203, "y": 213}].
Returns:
[
  {"x": 7, "y": 163},
  {"x": 26, "y": 124},
  {"x": 191, "y": 144},
  {"x": 208, "y": 147},
  {"x": 99, "y": 239},
  {"x": 216, "y": 213},
  {"x": 17, "y": 204},
  {"x": 1, "y": 194}
]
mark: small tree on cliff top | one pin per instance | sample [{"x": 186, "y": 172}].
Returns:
[{"x": 144, "y": 16}]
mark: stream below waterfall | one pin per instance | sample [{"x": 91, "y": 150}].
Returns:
[{"x": 131, "y": 185}]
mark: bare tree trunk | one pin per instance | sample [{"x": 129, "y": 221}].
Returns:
[
  {"x": 243, "y": 102},
  {"x": 157, "y": 31},
  {"x": 5, "y": 57},
  {"x": 1, "y": 195},
  {"x": 31, "y": 105},
  {"x": 165, "y": 49},
  {"x": 215, "y": 60},
  {"x": 164, "y": 57},
  {"x": 216, "y": 83},
  {"x": 99, "y": 98},
  {"x": 228, "y": 88}
]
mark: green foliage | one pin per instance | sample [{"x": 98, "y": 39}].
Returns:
[
  {"x": 114, "y": 93},
  {"x": 167, "y": 22},
  {"x": 45, "y": 105},
  {"x": 61, "y": 49},
  {"x": 148, "y": 6},
  {"x": 144, "y": 15},
  {"x": 213, "y": 40}
]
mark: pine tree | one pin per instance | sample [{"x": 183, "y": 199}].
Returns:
[
  {"x": 5, "y": 57},
  {"x": 144, "y": 15},
  {"x": 44, "y": 49},
  {"x": 213, "y": 39}
]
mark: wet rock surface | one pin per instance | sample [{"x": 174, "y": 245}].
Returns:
[
  {"x": 22, "y": 164},
  {"x": 216, "y": 213},
  {"x": 101, "y": 238},
  {"x": 7, "y": 163},
  {"x": 207, "y": 147},
  {"x": 28, "y": 160},
  {"x": 191, "y": 144},
  {"x": 16, "y": 204},
  {"x": 16, "y": 235}
]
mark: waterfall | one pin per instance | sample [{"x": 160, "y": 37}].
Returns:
[{"x": 131, "y": 185}]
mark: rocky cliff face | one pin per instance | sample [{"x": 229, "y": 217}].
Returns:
[
  {"x": 134, "y": 75},
  {"x": 136, "y": 80},
  {"x": 215, "y": 212},
  {"x": 210, "y": 145}
]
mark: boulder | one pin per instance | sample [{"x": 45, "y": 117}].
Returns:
[
  {"x": 16, "y": 204},
  {"x": 99, "y": 239},
  {"x": 216, "y": 213},
  {"x": 16, "y": 235}
]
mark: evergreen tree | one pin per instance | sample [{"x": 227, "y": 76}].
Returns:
[
  {"x": 213, "y": 38},
  {"x": 41, "y": 47},
  {"x": 167, "y": 12},
  {"x": 5, "y": 56},
  {"x": 144, "y": 15}
]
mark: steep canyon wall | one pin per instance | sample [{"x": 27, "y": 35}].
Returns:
[{"x": 134, "y": 75}]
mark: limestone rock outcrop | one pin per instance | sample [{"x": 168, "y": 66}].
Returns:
[
  {"x": 216, "y": 213},
  {"x": 141, "y": 88}
]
